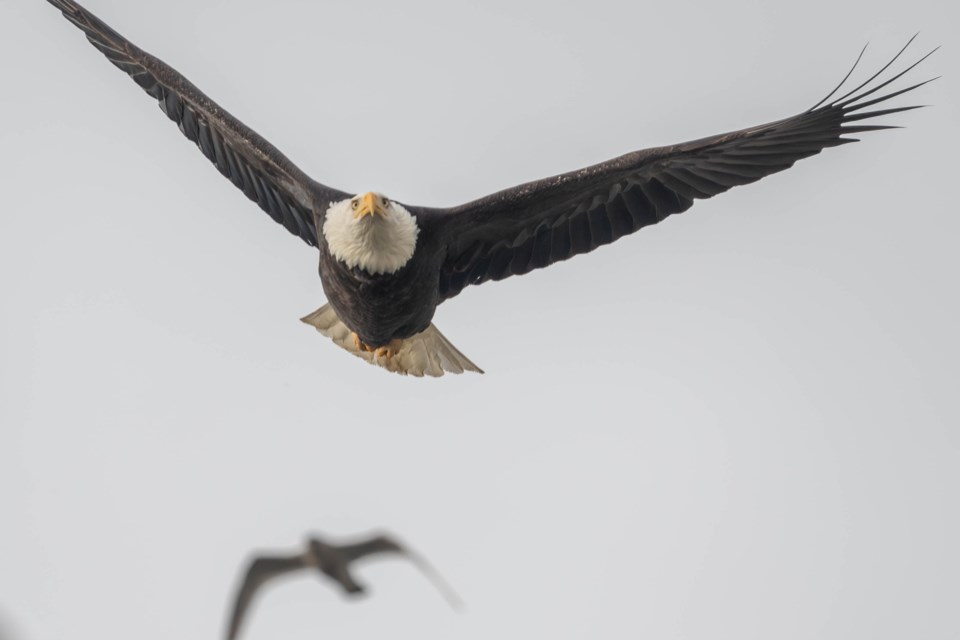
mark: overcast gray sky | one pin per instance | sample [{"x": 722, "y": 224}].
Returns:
[{"x": 739, "y": 424}]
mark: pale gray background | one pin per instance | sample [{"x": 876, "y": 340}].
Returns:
[{"x": 739, "y": 424}]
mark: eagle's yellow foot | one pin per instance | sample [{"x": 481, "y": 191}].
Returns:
[
  {"x": 389, "y": 350},
  {"x": 361, "y": 345}
]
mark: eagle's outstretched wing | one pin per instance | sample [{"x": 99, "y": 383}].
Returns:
[
  {"x": 255, "y": 166},
  {"x": 534, "y": 225},
  {"x": 260, "y": 571}
]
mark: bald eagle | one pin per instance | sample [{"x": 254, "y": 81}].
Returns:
[{"x": 386, "y": 266}]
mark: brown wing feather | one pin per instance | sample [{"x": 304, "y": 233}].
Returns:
[
  {"x": 260, "y": 571},
  {"x": 386, "y": 544},
  {"x": 536, "y": 224},
  {"x": 378, "y": 544},
  {"x": 255, "y": 166}
]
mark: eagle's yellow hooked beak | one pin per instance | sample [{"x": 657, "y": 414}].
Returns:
[{"x": 369, "y": 204}]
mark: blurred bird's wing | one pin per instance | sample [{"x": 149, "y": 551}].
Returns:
[
  {"x": 254, "y": 165},
  {"x": 438, "y": 580},
  {"x": 386, "y": 544},
  {"x": 260, "y": 571},
  {"x": 378, "y": 544}
]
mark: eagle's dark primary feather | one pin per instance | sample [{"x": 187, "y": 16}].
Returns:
[
  {"x": 255, "y": 166},
  {"x": 536, "y": 224}
]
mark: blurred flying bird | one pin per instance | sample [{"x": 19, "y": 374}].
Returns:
[
  {"x": 330, "y": 560},
  {"x": 386, "y": 266}
]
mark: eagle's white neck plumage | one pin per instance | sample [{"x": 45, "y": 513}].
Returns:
[{"x": 377, "y": 244}]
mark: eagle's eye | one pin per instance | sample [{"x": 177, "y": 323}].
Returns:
[
  {"x": 355, "y": 204},
  {"x": 386, "y": 202}
]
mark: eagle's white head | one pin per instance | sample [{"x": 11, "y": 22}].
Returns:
[{"x": 371, "y": 232}]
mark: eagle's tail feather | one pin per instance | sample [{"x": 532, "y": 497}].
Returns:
[{"x": 427, "y": 353}]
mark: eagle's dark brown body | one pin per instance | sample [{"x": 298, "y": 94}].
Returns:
[{"x": 383, "y": 307}]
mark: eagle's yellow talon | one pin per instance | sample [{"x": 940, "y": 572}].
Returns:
[
  {"x": 386, "y": 351},
  {"x": 361, "y": 345},
  {"x": 390, "y": 350}
]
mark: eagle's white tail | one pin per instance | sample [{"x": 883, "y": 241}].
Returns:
[{"x": 427, "y": 353}]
